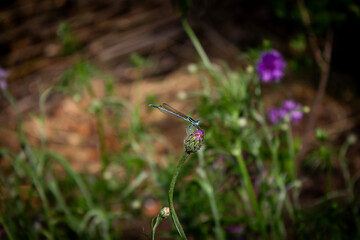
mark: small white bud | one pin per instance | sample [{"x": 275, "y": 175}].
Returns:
[
  {"x": 242, "y": 122},
  {"x": 249, "y": 69},
  {"x": 182, "y": 95},
  {"x": 192, "y": 68}
]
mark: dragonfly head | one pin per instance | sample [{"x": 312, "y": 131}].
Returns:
[{"x": 194, "y": 122}]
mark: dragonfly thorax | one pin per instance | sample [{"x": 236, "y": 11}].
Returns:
[{"x": 194, "y": 122}]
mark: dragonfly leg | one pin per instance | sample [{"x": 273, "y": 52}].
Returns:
[
  {"x": 189, "y": 128},
  {"x": 194, "y": 128}
]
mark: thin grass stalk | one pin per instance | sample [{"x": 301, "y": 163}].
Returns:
[
  {"x": 349, "y": 184},
  {"x": 54, "y": 188},
  {"x": 101, "y": 136},
  {"x": 269, "y": 140},
  {"x": 195, "y": 41},
  {"x": 41, "y": 191},
  {"x": 6, "y": 228},
  {"x": 268, "y": 136},
  {"x": 290, "y": 143},
  {"x": 217, "y": 75},
  {"x": 249, "y": 187},
  {"x": 77, "y": 178},
  {"x": 101, "y": 132},
  {"x": 209, "y": 190}
]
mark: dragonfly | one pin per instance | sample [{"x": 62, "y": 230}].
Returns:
[{"x": 194, "y": 124}]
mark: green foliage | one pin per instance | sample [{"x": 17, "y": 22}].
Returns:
[
  {"x": 70, "y": 43},
  {"x": 78, "y": 77},
  {"x": 328, "y": 221},
  {"x": 40, "y": 203},
  {"x": 324, "y": 14}
]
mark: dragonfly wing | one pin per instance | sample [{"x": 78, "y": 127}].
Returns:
[{"x": 171, "y": 109}]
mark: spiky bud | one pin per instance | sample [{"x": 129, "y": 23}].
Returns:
[
  {"x": 164, "y": 212},
  {"x": 194, "y": 141}
]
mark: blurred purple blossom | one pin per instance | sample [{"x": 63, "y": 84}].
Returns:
[
  {"x": 289, "y": 108},
  {"x": 236, "y": 231},
  {"x": 270, "y": 66},
  {"x": 3, "y": 76},
  {"x": 276, "y": 115},
  {"x": 3, "y": 84}
]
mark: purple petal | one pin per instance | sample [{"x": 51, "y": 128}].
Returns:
[
  {"x": 273, "y": 115},
  {"x": 296, "y": 116},
  {"x": 3, "y": 84},
  {"x": 4, "y": 73},
  {"x": 270, "y": 66},
  {"x": 289, "y": 105}
]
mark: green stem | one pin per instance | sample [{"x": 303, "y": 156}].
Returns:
[
  {"x": 349, "y": 185},
  {"x": 6, "y": 228},
  {"x": 250, "y": 189},
  {"x": 209, "y": 190},
  {"x": 218, "y": 76},
  {"x": 290, "y": 143},
  {"x": 101, "y": 135},
  {"x": 269, "y": 139},
  {"x": 37, "y": 181},
  {"x": 19, "y": 125},
  {"x": 195, "y": 41},
  {"x": 328, "y": 175},
  {"x": 215, "y": 212},
  {"x": 345, "y": 170},
  {"x": 153, "y": 230},
  {"x": 77, "y": 178},
  {"x": 171, "y": 194},
  {"x": 268, "y": 135},
  {"x": 101, "y": 131}
]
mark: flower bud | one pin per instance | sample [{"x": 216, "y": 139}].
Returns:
[
  {"x": 242, "y": 122},
  {"x": 306, "y": 109},
  {"x": 164, "y": 212},
  {"x": 351, "y": 139},
  {"x": 192, "y": 68},
  {"x": 194, "y": 141}
]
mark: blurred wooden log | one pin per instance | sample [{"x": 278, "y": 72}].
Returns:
[
  {"x": 108, "y": 32},
  {"x": 137, "y": 43}
]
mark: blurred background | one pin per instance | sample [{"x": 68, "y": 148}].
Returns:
[{"x": 83, "y": 157}]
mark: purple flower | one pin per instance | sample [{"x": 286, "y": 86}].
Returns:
[
  {"x": 274, "y": 115},
  {"x": 294, "y": 110},
  {"x": 3, "y": 76},
  {"x": 236, "y": 232},
  {"x": 270, "y": 66},
  {"x": 289, "y": 108},
  {"x": 3, "y": 84}
]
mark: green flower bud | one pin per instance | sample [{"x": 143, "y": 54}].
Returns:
[{"x": 194, "y": 141}]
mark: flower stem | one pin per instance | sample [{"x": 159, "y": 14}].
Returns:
[
  {"x": 250, "y": 189},
  {"x": 153, "y": 230},
  {"x": 273, "y": 147},
  {"x": 171, "y": 194},
  {"x": 209, "y": 190},
  {"x": 289, "y": 139}
]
